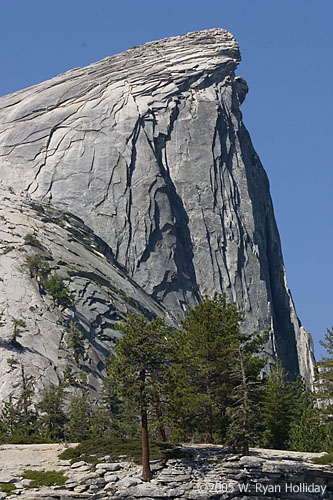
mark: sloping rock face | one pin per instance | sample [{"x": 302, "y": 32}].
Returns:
[
  {"x": 103, "y": 294},
  {"x": 148, "y": 148}
]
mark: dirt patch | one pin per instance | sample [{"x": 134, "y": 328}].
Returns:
[{"x": 15, "y": 458}]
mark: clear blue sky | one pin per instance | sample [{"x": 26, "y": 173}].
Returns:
[{"x": 286, "y": 47}]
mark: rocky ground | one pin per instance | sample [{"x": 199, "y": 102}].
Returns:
[{"x": 212, "y": 473}]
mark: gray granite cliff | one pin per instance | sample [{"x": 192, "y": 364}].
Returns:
[{"x": 149, "y": 150}]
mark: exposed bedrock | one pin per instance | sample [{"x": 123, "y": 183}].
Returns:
[{"x": 149, "y": 149}]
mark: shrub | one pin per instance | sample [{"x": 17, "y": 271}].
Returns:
[
  {"x": 60, "y": 292},
  {"x": 93, "y": 449},
  {"x": 18, "y": 323},
  {"x": 38, "y": 267},
  {"x": 44, "y": 478},
  {"x": 326, "y": 459},
  {"x": 30, "y": 239},
  {"x": 7, "y": 487}
]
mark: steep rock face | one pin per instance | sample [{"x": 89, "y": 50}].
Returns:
[
  {"x": 149, "y": 149},
  {"x": 103, "y": 295}
]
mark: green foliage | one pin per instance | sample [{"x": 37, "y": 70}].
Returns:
[
  {"x": 244, "y": 409},
  {"x": 139, "y": 366},
  {"x": 203, "y": 356},
  {"x": 113, "y": 416},
  {"x": 52, "y": 419},
  {"x": 18, "y": 417},
  {"x": 324, "y": 383},
  {"x": 306, "y": 432},
  {"x": 277, "y": 409},
  {"x": 93, "y": 449},
  {"x": 31, "y": 239},
  {"x": 24, "y": 439},
  {"x": 38, "y": 267},
  {"x": 7, "y": 487},
  {"x": 9, "y": 418},
  {"x": 76, "y": 342},
  {"x": 69, "y": 378},
  {"x": 79, "y": 416},
  {"x": 18, "y": 324},
  {"x": 12, "y": 363},
  {"x": 139, "y": 355},
  {"x": 44, "y": 478},
  {"x": 324, "y": 460},
  {"x": 55, "y": 286}
]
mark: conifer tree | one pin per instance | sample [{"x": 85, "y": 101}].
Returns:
[
  {"x": 52, "y": 419},
  {"x": 277, "y": 408},
  {"x": 55, "y": 286},
  {"x": 243, "y": 411},
  {"x": 112, "y": 415},
  {"x": 79, "y": 415},
  {"x": 9, "y": 418},
  {"x": 306, "y": 432},
  {"x": 38, "y": 267},
  {"x": 204, "y": 349},
  {"x": 324, "y": 383},
  {"x": 139, "y": 354},
  {"x": 76, "y": 342}
]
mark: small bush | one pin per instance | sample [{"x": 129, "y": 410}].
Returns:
[
  {"x": 30, "y": 239},
  {"x": 7, "y": 487},
  {"x": 18, "y": 323},
  {"x": 93, "y": 449},
  {"x": 21, "y": 439},
  {"x": 47, "y": 478},
  {"x": 60, "y": 292},
  {"x": 324, "y": 460},
  {"x": 38, "y": 267}
]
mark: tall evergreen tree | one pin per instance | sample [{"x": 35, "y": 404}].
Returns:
[
  {"x": 112, "y": 416},
  {"x": 10, "y": 418},
  {"x": 324, "y": 383},
  {"x": 306, "y": 431},
  {"x": 140, "y": 356},
  {"x": 243, "y": 411},
  {"x": 52, "y": 419},
  {"x": 204, "y": 352},
  {"x": 277, "y": 408},
  {"x": 80, "y": 416}
]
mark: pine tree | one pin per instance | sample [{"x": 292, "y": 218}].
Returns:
[
  {"x": 244, "y": 410},
  {"x": 306, "y": 431},
  {"x": 52, "y": 419},
  {"x": 277, "y": 409},
  {"x": 112, "y": 416},
  {"x": 139, "y": 355},
  {"x": 38, "y": 267},
  {"x": 204, "y": 349},
  {"x": 76, "y": 342},
  {"x": 324, "y": 383},
  {"x": 79, "y": 415},
  {"x": 27, "y": 411},
  {"x": 55, "y": 286},
  {"x": 10, "y": 418}
]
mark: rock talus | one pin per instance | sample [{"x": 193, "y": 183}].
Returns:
[{"x": 149, "y": 149}]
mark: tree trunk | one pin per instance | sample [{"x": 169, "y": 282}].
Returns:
[
  {"x": 158, "y": 411},
  {"x": 146, "y": 472},
  {"x": 209, "y": 411},
  {"x": 209, "y": 424},
  {"x": 245, "y": 443}
]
